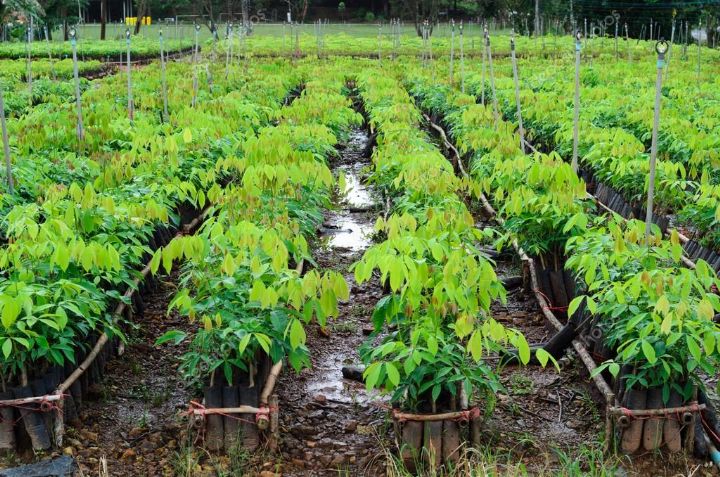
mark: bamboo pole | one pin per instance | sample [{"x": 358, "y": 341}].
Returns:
[
  {"x": 228, "y": 410},
  {"x": 521, "y": 130},
  {"x": 6, "y": 143},
  {"x": 80, "y": 129},
  {"x": 576, "y": 103},
  {"x": 661, "y": 48},
  {"x": 270, "y": 383},
  {"x": 691, "y": 408},
  {"x": 404, "y": 416},
  {"x": 163, "y": 77},
  {"x": 130, "y": 103}
]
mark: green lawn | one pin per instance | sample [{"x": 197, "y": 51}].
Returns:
[{"x": 186, "y": 30}]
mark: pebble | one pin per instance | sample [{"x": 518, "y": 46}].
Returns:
[
  {"x": 317, "y": 414},
  {"x": 310, "y": 444},
  {"x": 304, "y": 430},
  {"x": 128, "y": 454},
  {"x": 88, "y": 436},
  {"x": 320, "y": 398},
  {"x": 147, "y": 446},
  {"x": 573, "y": 424}
]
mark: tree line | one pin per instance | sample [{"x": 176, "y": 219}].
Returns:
[{"x": 527, "y": 16}]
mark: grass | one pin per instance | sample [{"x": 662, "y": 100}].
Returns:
[
  {"x": 116, "y": 31},
  {"x": 490, "y": 462},
  {"x": 345, "y": 327}
]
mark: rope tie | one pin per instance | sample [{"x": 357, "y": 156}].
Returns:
[{"x": 549, "y": 306}]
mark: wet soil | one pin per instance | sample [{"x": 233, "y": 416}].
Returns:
[
  {"x": 542, "y": 414},
  {"x": 330, "y": 424},
  {"x": 133, "y": 418}
]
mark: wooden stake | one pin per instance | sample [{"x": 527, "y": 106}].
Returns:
[
  {"x": 452, "y": 51},
  {"x": 492, "y": 78},
  {"x": 672, "y": 40},
  {"x": 521, "y": 130},
  {"x": 195, "y": 73},
  {"x": 576, "y": 110},
  {"x": 6, "y": 144},
  {"x": 163, "y": 78},
  {"x": 661, "y": 48},
  {"x": 78, "y": 103},
  {"x": 462, "y": 59},
  {"x": 131, "y": 106}
]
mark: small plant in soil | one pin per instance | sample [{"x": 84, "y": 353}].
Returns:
[
  {"x": 521, "y": 385},
  {"x": 658, "y": 314}
]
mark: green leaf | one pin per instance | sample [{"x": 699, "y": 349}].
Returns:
[
  {"x": 694, "y": 348},
  {"x": 10, "y": 312},
  {"x": 523, "y": 349},
  {"x": 7, "y": 348},
  {"x": 372, "y": 375},
  {"x": 175, "y": 336},
  {"x": 709, "y": 342},
  {"x": 475, "y": 346},
  {"x": 243, "y": 343},
  {"x": 155, "y": 262},
  {"x": 648, "y": 351},
  {"x": 297, "y": 334},
  {"x": 705, "y": 309},
  {"x": 264, "y": 341},
  {"x": 542, "y": 356},
  {"x": 392, "y": 374},
  {"x": 432, "y": 345},
  {"x": 575, "y": 304},
  {"x": 436, "y": 392}
]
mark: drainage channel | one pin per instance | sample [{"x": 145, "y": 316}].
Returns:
[{"x": 330, "y": 424}]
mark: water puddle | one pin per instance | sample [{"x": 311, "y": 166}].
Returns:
[
  {"x": 357, "y": 195},
  {"x": 350, "y": 228},
  {"x": 331, "y": 383},
  {"x": 346, "y": 232},
  {"x": 331, "y": 422}
]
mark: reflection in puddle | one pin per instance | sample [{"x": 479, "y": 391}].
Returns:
[
  {"x": 348, "y": 229},
  {"x": 350, "y": 233},
  {"x": 356, "y": 193}
]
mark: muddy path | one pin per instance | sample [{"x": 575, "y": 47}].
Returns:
[
  {"x": 543, "y": 414},
  {"x": 328, "y": 424},
  {"x": 133, "y": 419}
]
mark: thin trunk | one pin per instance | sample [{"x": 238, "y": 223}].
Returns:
[
  {"x": 103, "y": 18},
  {"x": 304, "y": 12},
  {"x": 140, "y": 14},
  {"x": 63, "y": 15}
]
